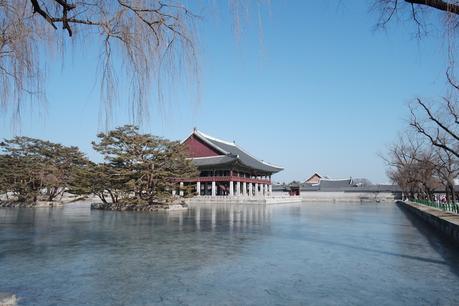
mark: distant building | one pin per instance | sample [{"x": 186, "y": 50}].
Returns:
[
  {"x": 225, "y": 169},
  {"x": 335, "y": 183},
  {"x": 314, "y": 179},
  {"x": 316, "y": 182},
  {"x": 327, "y": 185},
  {"x": 325, "y": 182}
]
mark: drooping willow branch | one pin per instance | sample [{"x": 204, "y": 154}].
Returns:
[{"x": 149, "y": 40}]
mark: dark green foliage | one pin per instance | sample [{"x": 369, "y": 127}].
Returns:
[
  {"x": 33, "y": 169},
  {"x": 138, "y": 168}
]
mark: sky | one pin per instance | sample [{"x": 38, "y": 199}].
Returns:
[{"x": 315, "y": 88}]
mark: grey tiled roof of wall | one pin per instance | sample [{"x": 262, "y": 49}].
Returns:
[
  {"x": 351, "y": 188},
  {"x": 333, "y": 184},
  {"x": 245, "y": 158},
  {"x": 308, "y": 187},
  {"x": 277, "y": 187}
]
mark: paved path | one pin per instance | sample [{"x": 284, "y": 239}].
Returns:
[{"x": 446, "y": 222}]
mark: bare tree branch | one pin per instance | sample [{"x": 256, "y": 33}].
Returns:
[
  {"x": 437, "y": 121},
  {"x": 37, "y": 9},
  {"x": 450, "y": 7},
  {"x": 435, "y": 128}
]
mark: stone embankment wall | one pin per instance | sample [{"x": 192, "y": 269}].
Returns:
[
  {"x": 446, "y": 222},
  {"x": 313, "y": 196},
  {"x": 341, "y": 196},
  {"x": 242, "y": 200}
]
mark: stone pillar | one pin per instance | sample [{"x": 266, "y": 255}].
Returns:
[
  {"x": 174, "y": 192},
  {"x": 181, "y": 189},
  {"x": 198, "y": 188},
  {"x": 270, "y": 187},
  {"x": 256, "y": 189},
  {"x": 238, "y": 188},
  {"x": 214, "y": 189},
  {"x": 231, "y": 188},
  {"x": 244, "y": 188},
  {"x": 250, "y": 190}
]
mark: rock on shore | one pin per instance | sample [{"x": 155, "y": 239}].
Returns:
[
  {"x": 137, "y": 207},
  {"x": 31, "y": 204},
  {"x": 8, "y": 299},
  {"x": 58, "y": 202}
]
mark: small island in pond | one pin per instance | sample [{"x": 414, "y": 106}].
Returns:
[{"x": 139, "y": 172}]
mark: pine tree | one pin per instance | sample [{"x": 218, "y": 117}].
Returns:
[
  {"x": 34, "y": 169},
  {"x": 139, "y": 168}
]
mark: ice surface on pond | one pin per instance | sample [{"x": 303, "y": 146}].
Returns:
[{"x": 322, "y": 254}]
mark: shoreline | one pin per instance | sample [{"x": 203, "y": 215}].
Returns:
[
  {"x": 140, "y": 208},
  {"x": 66, "y": 200},
  {"x": 445, "y": 222},
  {"x": 38, "y": 204}
]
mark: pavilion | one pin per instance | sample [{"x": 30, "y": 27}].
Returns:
[{"x": 225, "y": 169}]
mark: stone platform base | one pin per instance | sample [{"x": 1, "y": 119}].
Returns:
[{"x": 340, "y": 196}]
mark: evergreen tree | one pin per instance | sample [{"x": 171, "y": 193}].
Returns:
[
  {"x": 138, "y": 168},
  {"x": 34, "y": 169}
]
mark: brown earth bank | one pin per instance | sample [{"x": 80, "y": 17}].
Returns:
[{"x": 139, "y": 207}]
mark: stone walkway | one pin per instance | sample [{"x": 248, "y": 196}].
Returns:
[{"x": 444, "y": 221}]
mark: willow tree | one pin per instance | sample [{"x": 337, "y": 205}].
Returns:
[
  {"x": 150, "y": 40},
  {"x": 139, "y": 168}
]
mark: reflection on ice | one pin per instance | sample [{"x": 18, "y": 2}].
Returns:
[{"x": 230, "y": 254}]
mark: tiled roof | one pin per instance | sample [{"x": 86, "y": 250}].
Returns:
[
  {"x": 231, "y": 150},
  {"x": 333, "y": 183},
  {"x": 213, "y": 160}
]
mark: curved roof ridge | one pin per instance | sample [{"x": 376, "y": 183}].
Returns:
[
  {"x": 262, "y": 161},
  {"x": 207, "y": 139},
  {"x": 272, "y": 165},
  {"x": 214, "y": 138},
  {"x": 231, "y": 148}
]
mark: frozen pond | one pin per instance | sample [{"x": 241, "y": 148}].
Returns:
[{"x": 319, "y": 254}]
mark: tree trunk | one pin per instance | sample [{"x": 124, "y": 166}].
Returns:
[
  {"x": 102, "y": 198},
  {"x": 453, "y": 195},
  {"x": 112, "y": 196}
]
